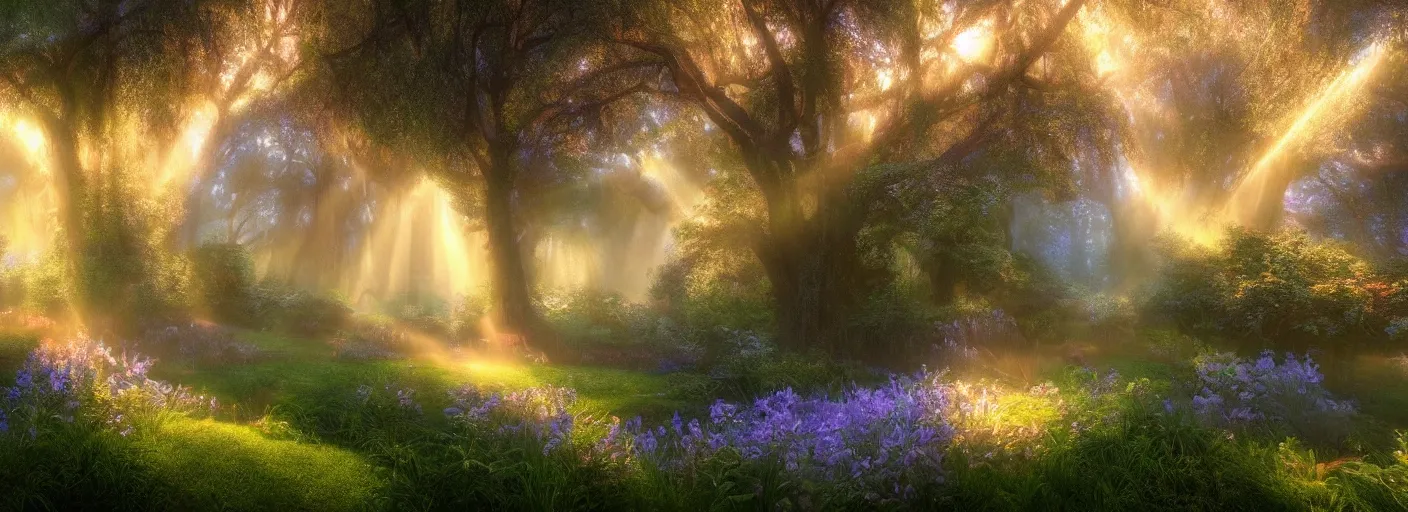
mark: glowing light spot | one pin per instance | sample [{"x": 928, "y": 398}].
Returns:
[
  {"x": 1105, "y": 64},
  {"x": 27, "y": 214},
  {"x": 884, "y": 78},
  {"x": 974, "y": 44},
  {"x": 418, "y": 243},
  {"x": 29, "y": 136}
]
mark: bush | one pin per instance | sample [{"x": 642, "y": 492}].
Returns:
[
  {"x": 1277, "y": 290},
  {"x": 38, "y": 286},
  {"x": 126, "y": 278},
  {"x": 299, "y": 312},
  {"x": 890, "y": 326},
  {"x": 370, "y": 339},
  {"x": 225, "y": 276},
  {"x": 588, "y": 317},
  {"x": 423, "y": 312}
]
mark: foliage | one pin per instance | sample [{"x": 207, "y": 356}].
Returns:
[
  {"x": 39, "y": 286},
  {"x": 869, "y": 446},
  {"x": 82, "y": 380},
  {"x": 301, "y": 312},
  {"x": 1280, "y": 290},
  {"x": 586, "y": 317},
  {"x": 1287, "y": 398},
  {"x": 425, "y": 312},
  {"x": 225, "y": 277},
  {"x": 370, "y": 339},
  {"x": 1087, "y": 439},
  {"x": 125, "y": 275},
  {"x": 890, "y": 325}
]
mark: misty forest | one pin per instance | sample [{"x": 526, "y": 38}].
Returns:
[{"x": 703, "y": 255}]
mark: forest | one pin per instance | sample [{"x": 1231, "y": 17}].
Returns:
[{"x": 704, "y": 255}]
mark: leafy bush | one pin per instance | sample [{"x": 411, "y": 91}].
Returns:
[
  {"x": 890, "y": 326},
  {"x": 125, "y": 276},
  {"x": 587, "y": 317},
  {"x": 301, "y": 313},
  {"x": 39, "y": 286},
  {"x": 466, "y": 314},
  {"x": 370, "y": 339},
  {"x": 225, "y": 276},
  {"x": 1279, "y": 290},
  {"x": 705, "y": 292},
  {"x": 424, "y": 312}
]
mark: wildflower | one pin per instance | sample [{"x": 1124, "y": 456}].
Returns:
[{"x": 364, "y": 393}]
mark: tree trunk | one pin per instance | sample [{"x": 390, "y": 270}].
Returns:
[
  {"x": 817, "y": 279},
  {"x": 70, "y": 188},
  {"x": 516, "y": 314}
]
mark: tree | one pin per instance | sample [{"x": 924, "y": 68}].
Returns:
[
  {"x": 241, "y": 54},
  {"x": 1258, "y": 87},
  {"x": 812, "y": 92},
  {"x": 487, "y": 87}
]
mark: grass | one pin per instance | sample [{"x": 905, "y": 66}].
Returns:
[
  {"x": 287, "y": 441},
  {"x": 215, "y": 465},
  {"x": 310, "y": 374}
]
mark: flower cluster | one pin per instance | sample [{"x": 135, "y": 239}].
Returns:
[
  {"x": 61, "y": 381},
  {"x": 404, "y": 399},
  {"x": 51, "y": 385},
  {"x": 1240, "y": 391},
  {"x": 867, "y": 436},
  {"x": 542, "y": 412}
]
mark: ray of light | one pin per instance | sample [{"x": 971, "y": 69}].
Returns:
[{"x": 1248, "y": 197}]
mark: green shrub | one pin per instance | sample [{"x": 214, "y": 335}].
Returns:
[
  {"x": 421, "y": 311},
  {"x": 225, "y": 277},
  {"x": 466, "y": 315},
  {"x": 592, "y": 317},
  {"x": 1281, "y": 290},
  {"x": 300, "y": 312},
  {"x": 890, "y": 325}
]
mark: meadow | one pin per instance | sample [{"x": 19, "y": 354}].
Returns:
[{"x": 1154, "y": 421}]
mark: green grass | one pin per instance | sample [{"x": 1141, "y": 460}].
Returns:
[
  {"x": 14, "y": 348},
  {"x": 287, "y": 439},
  {"x": 303, "y": 372},
  {"x": 214, "y": 465}
]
